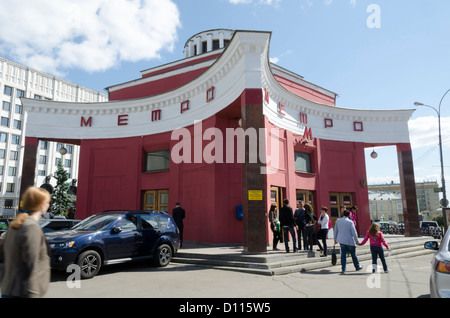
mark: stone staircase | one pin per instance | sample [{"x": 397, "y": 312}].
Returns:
[{"x": 280, "y": 263}]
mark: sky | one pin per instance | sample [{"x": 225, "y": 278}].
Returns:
[{"x": 376, "y": 54}]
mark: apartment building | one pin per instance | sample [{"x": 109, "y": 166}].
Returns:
[
  {"x": 385, "y": 200},
  {"x": 18, "y": 81},
  {"x": 385, "y": 206}
]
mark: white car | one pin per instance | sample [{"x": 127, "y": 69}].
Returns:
[{"x": 440, "y": 274}]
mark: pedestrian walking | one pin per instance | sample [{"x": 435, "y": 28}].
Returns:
[
  {"x": 25, "y": 251},
  {"x": 353, "y": 215},
  {"x": 299, "y": 218},
  {"x": 376, "y": 246},
  {"x": 342, "y": 210},
  {"x": 274, "y": 226},
  {"x": 310, "y": 219},
  {"x": 345, "y": 234},
  {"x": 287, "y": 223},
  {"x": 323, "y": 232},
  {"x": 178, "y": 215}
]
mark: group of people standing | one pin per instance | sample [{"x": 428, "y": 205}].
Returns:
[
  {"x": 303, "y": 222},
  {"x": 300, "y": 224}
]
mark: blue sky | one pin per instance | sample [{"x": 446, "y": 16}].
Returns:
[{"x": 98, "y": 43}]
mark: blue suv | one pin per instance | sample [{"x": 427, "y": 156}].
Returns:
[{"x": 113, "y": 237}]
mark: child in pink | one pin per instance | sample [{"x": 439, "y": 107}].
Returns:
[{"x": 376, "y": 246}]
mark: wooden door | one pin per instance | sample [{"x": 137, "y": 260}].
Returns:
[
  {"x": 336, "y": 200},
  {"x": 157, "y": 200}
]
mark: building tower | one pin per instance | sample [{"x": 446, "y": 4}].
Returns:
[{"x": 18, "y": 81}]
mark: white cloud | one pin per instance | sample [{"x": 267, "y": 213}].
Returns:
[
  {"x": 92, "y": 35},
  {"x": 276, "y": 59},
  {"x": 240, "y": 1},
  {"x": 352, "y": 2},
  {"x": 423, "y": 132},
  {"x": 264, "y": 2}
]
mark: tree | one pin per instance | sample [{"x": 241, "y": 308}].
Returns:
[
  {"x": 439, "y": 219},
  {"x": 61, "y": 199}
]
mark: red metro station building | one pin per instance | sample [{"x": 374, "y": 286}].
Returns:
[{"x": 221, "y": 131}]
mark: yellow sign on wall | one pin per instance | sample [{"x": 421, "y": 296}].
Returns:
[{"x": 255, "y": 195}]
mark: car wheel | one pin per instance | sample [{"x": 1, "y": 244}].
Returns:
[
  {"x": 90, "y": 263},
  {"x": 163, "y": 255}
]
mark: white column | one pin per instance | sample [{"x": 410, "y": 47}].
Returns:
[
  {"x": 209, "y": 42},
  {"x": 221, "y": 40}
]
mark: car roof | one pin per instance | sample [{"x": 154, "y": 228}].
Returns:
[
  {"x": 58, "y": 220},
  {"x": 133, "y": 212}
]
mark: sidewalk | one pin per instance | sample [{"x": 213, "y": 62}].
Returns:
[{"x": 232, "y": 257}]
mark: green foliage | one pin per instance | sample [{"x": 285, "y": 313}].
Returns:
[
  {"x": 61, "y": 200},
  {"x": 439, "y": 219}
]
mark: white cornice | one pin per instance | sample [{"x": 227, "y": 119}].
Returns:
[
  {"x": 243, "y": 65},
  {"x": 379, "y": 126},
  {"x": 230, "y": 75}
]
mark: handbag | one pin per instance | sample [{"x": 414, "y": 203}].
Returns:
[{"x": 333, "y": 256}]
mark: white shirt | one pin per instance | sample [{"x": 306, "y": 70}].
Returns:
[{"x": 323, "y": 221}]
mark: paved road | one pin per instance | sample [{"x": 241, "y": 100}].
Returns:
[{"x": 409, "y": 278}]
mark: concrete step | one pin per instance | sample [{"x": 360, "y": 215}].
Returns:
[{"x": 281, "y": 263}]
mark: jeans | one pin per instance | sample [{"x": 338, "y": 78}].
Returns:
[
  {"x": 322, "y": 234},
  {"x": 286, "y": 231},
  {"x": 378, "y": 251},
  {"x": 352, "y": 250},
  {"x": 276, "y": 235},
  {"x": 309, "y": 236},
  {"x": 301, "y": 233}
]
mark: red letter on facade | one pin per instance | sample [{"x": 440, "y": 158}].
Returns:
[
  {"x": 86, "y": 122},
  {"x": 156, "y": 115},
  {"x": 303, "y": 118},
  {"x": 307, "y": 134},
  {"x": 281, "y": 109},
  {"x": 358, "y": 126},
  {"x": 122, "y": 120},
  {"x": 210, "y": 94},
  {"x": 184, "y": 106}
]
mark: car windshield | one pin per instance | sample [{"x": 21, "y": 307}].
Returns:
[{"x": 97, "y": 222}]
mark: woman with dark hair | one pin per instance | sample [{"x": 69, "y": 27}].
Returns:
[
  {"x": 323, "y": 232},
  {"x": 310, "y": 219},
  {"x": 25, "y": 251},
  {"x": 274, "y": 226}
]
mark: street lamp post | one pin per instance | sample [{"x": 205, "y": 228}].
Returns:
[{"x": 444, "y": 199}]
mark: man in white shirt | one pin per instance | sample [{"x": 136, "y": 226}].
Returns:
[{"x": 345, "y": 234}]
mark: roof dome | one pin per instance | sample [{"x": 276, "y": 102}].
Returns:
[{"x": 207, "y": 41}]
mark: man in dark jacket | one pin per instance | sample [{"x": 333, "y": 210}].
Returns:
[
  {"x": 287, "y": 223},
  {"x": 178, "y": 215},
  {"x": 299, "y": 218}
]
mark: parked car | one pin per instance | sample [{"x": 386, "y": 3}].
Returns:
[
  {"x": 4, "y": 223},
  {"x": 440, "y": 272},
  {"x": 431, "y": 228},
  {"x": 388, "y": 227},
  {"x": 113, "y": 237},
  {"x": 425, "y": 224},
  {"x": 48, "y": 225},
  {"x": 57, "y": 224}
]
